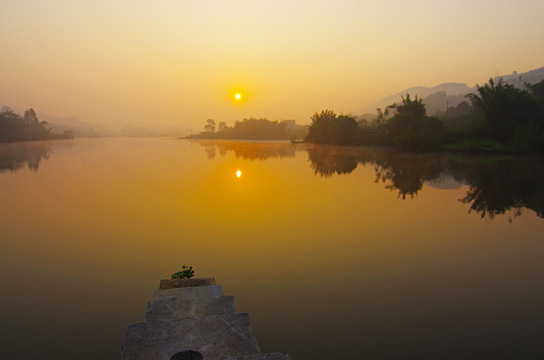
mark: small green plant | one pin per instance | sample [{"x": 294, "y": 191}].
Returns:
[{"x": 187, "y": 272}]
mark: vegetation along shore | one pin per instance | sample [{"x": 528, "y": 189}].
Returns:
[
  {"x": 498, "y": 117},
  {"x": 14, "y": 127}
]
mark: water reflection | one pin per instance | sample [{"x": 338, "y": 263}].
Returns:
[
  {"x": 397, "y": 170},
  {"x": 330, "y": 160},
  {"x": 501, "y": 184},
  {"x": 497, "y": 184},
  {"x": 250, "y": 150},
  {"x": 14, "y": 157},
  {"x": 101, "y": 221}
]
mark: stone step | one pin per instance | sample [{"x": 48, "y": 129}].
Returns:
[
  {"x": 180, "y": 308},
  {"x": 215, "y": 337},
  {"x": 197, "y": 292},
  {"x": 193, "y": 322},
  {"x": 179, "y": 283}
]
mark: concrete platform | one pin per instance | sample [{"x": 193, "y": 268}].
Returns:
[{"x": 197, "y": 318}]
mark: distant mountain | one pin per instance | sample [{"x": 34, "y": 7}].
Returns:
[
  {"x": 80, "y": 128},
  {"x": 420, "y": 91},
  {"x": 438, "y": 97},
  {"x": 85, "y": 129},
  {"x": 60, "y": 124},
  {"x": 519, "y": 80},
  {"x": 439, "y": 102}
]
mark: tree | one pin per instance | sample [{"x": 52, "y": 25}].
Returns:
[
  {"x": 319, "y": 130},
  {"x": 31, "y": 119},
  {"x": 210, "y": 125},
  {"x": 259, "y": 129},
  {"x": 14, "y": 127},
  {"x": 414, "y": 108},
  {"x": 462, "y": 109},
  {"x": 537, "y": 90},
  {"x": 328, "y": 128},
  {"x": 411, "y": 129},
  {"x": 344, "y": 129},
  {"x": 503, "y": 108},
  {"x": 252, "y": 128}
]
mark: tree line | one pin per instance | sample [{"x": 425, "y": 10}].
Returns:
[
  {"x": 14, "y": 127},
  {"x": 251, "y": 129},
  {"x": 497, "y": 117}
]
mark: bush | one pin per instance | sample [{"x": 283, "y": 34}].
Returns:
[
  {"x": 187, "y": 272},
  {"x": 328, "y": 128},
  {"x": 528, "y": 139}
]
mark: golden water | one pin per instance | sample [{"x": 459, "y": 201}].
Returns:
[{"x": 325, "y": 263}]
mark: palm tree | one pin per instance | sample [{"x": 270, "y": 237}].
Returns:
[{"x": 503, "y": 108}]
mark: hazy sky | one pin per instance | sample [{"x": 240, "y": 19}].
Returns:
[{"x": 178, "y": 63}]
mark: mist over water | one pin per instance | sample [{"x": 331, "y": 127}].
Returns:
[{"x": 332, "y": 251}]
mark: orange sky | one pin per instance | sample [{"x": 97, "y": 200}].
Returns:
[{"x": 176, "y": 63}]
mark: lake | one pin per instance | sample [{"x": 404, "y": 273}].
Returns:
[{"x": 335, "y": 252}]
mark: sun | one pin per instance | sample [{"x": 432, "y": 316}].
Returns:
[
  {"x": 238, "y": 173},
  {"x": 238, "y": 96}
]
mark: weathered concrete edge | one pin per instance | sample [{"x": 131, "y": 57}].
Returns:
[{"x": 180, "y": 283}]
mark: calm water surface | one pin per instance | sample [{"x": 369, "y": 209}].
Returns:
[{"x": 334, "y": 252}]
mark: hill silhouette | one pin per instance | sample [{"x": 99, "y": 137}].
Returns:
[{"x": 436, "y": 98}]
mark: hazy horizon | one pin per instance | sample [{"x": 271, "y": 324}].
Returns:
[{"x": 176, "y": 64}]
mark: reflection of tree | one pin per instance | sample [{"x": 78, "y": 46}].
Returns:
[
  {"x": 504, "y": 184},
  {"x": 210, "y": 151},
  {"x": 406, "y": 172},
  {"x": 327, "y": 160},
  {"x": 399, "y": 171},
  {"x": 249, "y": 150},
  {"x": 14, "y": 156},
  {"x": 496, "y": 184}
]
